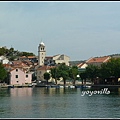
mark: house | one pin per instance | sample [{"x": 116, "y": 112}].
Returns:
[
  {"x": 19, "y": 76},
  {"x": 56, "y": 59},
  {"x": 61, "y": 59},
  {"x": 98, "y": 60},
  {"x": 82, "y": 66},
  {"x": 4, "y": 60},
  {"x": 94, "y": 61},
  {"x": 32, "y": 59},
  {"x": 49, "y": 61},
  {"x": 22, "y": 64},
  {"x": 41, "y": 70}
]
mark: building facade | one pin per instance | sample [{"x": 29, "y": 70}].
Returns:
[{"x": 20, "y": 77}]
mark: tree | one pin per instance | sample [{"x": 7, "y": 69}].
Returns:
[
  {"x": 63, "y": 71},
  {"x": 2, "y": 51},
  {"x": 83, "y": 76},
  {"x": 11, "y": 49},
  {"x": 92, "y": 72},
  {"x": 64, "y": 74},
  {"x": 27, "y": 54},
  {"x": 73, "y": 72},
  {"x": 3, "y": 73},
  {"x": 111, "y": 68},
  {"x": 47, "y": 76},
  {"x": 55, "y": 74}
]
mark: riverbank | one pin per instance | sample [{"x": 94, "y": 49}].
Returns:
[{"x": 14, "y": 86}]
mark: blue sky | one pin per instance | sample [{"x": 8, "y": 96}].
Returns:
[{"x": 79, "y": 30}]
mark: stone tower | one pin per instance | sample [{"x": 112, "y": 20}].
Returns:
[{"x": 41, "y": 54}]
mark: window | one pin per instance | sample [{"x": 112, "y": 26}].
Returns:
[
  {"x": 16, "y": 76},
  {"x": 26, "y": 76},
  {"x": 16, "y": 70}
]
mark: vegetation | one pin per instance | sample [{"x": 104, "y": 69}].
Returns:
[
  {"x": 47, "y": 76},
  {"x": 11, "y": 54},
  {"x": 106, "y": 70},
  {"x": 3, "y": 73},
  {"x": 55, "y": 74},
  {"x": 73, "y": 72},
  {"x": 65, "y": 72},
  {"x": 61, "y": 70},
  {"x": 92, "y": 72}
]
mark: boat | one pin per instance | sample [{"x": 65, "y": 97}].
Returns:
[
  {"x": 71, "y": 86},
  {"x": 55, "y": 86},
  {"x": 86, "y": 86},
  {"x": 78, "y": 86},
  {"x": 10, "y": 86}
]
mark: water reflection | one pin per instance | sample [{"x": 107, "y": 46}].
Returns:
[
  {"x": 21, "y": 92},
  {"x": 58, "y": 103}
]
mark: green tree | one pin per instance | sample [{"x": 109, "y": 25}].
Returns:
[
  {"x": 63, "y": 71},
  {"x": 11, "y": 49},
  {"x": 2, "y": 51},
  {"x": 111, "y": 68},
  {"x": 92, "y": 72},
  {"x": 27, "y": 54},
  {"x": 73, "y": 72},
  {"x": 47, "y": 76},
  {"x": 3, "y": 73},
  {"x": 54, "y": 74},
  {"x": 83, "y": 76}
]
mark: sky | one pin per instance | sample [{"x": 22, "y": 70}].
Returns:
[{"x": 78, "y": 29}]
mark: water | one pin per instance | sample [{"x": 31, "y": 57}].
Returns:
[{"x": 57, "y": 103}]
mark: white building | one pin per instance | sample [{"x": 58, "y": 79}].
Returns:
[{"x": 4, "y": 60}]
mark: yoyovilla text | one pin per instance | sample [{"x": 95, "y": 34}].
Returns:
[{"x": 90, "y": 93}]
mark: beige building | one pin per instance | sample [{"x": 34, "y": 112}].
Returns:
[
  {"x": 41, "y": 70},
  {"x": 61, "y": 59}
]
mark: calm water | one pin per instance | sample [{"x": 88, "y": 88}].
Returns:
[{"x": 57, "y": 103}]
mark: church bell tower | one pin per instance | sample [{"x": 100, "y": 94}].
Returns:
[{"x": 41, "y": 54}]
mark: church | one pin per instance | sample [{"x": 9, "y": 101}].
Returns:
[
  {"x": 50, "y": 60},
  {"x": 47, "y": 62}
]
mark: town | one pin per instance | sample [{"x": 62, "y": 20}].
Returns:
[{"x": 56, "y": 70}]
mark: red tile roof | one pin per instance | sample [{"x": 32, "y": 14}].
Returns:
[
  {"x": 98, "y": 59},
  {"x": 30, "y": 56}
]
